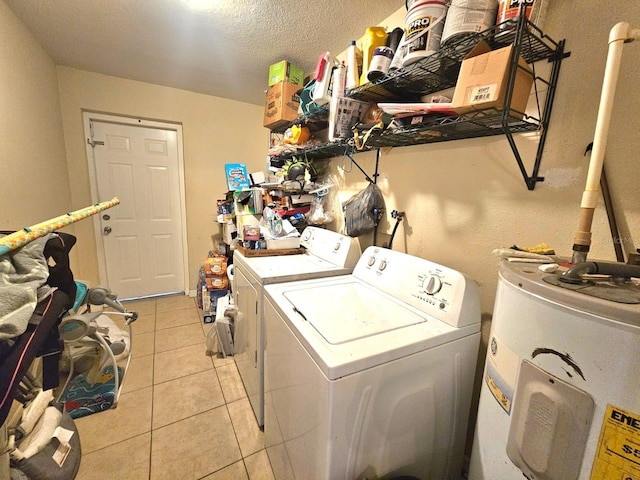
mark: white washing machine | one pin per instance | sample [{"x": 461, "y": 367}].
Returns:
[
  {"x": 370, "y": 375},
  {"x": 560, "y": 397},
  {"x": 327, "y": 253}
]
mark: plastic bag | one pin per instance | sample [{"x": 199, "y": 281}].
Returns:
[
  {"x": 363, "y": 211},
  {"x": 318, "y": 213}
]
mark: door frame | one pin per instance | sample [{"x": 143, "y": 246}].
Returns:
[{"x": 87, "y": 117}]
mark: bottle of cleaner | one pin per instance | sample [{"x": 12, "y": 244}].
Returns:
[
  {"x": 354, "y": 65},
  {"x": 399, "y": 54},
  {"x": 321, "y": 93},
  {"x": 337, "y": 92},
  {"x": 338, "y": 82},
  {"x": 374, "y": 37},
  {"x": 383, "y": 56}
]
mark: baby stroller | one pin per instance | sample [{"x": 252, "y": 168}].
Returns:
[{"x": 45, "y": 312}]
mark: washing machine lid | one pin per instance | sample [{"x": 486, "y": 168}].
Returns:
[
  {"x": 348, "y": 326},
  {"x": 350, "y": 311},
  {"x": 287, "y": 268}
]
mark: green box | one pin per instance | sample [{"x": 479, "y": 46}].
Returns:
[{"x": 285, "y": 71}]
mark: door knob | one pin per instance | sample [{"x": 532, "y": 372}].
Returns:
[{"x": 106, "y": 230}]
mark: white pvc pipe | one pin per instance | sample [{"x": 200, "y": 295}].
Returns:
[
  {"x": 619, "y": 34},
  {"x": 617, "y": 37}
]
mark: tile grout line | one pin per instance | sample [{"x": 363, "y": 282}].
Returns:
[{"x": 153, "y": 387}]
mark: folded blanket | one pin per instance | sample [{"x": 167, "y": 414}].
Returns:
[{"x": 23, "y": 277}]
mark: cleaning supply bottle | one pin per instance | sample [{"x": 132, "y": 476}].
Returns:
[
  {"x": 382, "y": 56},
  {"x": 354, "y": 65},
  {"x": 338, "y": 81},
  {"x": 374, "y": 37}
]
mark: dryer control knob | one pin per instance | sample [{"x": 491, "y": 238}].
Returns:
[
  {"x": 383, "y": 265},
  {"x": 433, "y": 285},
  {"x": 337, "y": 247},
  {"x": 306, "y": 235},
  {"x": 371, "y": 261}
]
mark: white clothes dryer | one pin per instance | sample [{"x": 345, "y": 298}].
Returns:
[
  {"x": 327, "y": 253},
  {"x": 370, "y": 375},
  {"x": 560, "y": 396}
]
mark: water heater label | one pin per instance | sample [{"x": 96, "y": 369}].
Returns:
[
  {"x": 618, "y": 452},
  {"x": 501, "y": 372}
]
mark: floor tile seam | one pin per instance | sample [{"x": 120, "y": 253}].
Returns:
[
  {"x": 226, "y": 466},
  {"x": 178, "y": 377},
  {"x": 203, "y": 343},
  {"x": 190, "y": 375},
  {"x": 191, "y": 307},
  {"x": 188, "y": 417},
  {"x": 157, "y": 329},
  {"x": 235, "y": 434},
  {"x": 181, "y": 346},
  {"x": 268, "y": 460},
  {"x": 118, "y": 442}
]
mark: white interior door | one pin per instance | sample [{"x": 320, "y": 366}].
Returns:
[{"x": 142, "y": 236}]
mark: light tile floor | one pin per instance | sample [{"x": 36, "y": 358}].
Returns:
[{"x": 182, "y": 414}]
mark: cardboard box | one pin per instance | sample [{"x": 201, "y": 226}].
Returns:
[
  {"x": 281, "y": 105},
  {"x": 483, "y": 78},
  {"x": 283, "y": 243},
  {"x": 285, "y": 71},
  {"x": 237, "y": 176},
  {"x": 244, "y": 220}
]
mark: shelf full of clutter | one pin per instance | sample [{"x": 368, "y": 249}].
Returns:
[
  {"x": 458, "y": 69},
  {"x": 264, "y": 213}
]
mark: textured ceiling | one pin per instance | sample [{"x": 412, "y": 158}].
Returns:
[{"x": 224, "y": 50}]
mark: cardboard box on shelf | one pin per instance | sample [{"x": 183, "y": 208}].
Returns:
[
  {"x": 281, "y": 105},
  {"x": 482, "y": 81},
  {"x": 285, "y": 71},
  {"x": 237, "y": 176},
  {"x": 283, "y": 243}
]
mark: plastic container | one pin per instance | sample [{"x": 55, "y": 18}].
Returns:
[
  {"x": 468, "y": 16},
  {"x": 398, "y": 57},
  {"x": 394, "y": 38},
  {"x": 354, "y": 65},
  {"x": 374, "y": 37},
  {"x": 380, "y": 63},
  {"x": 424, "y": 24},
  {"x": 338, "y": 81},
  {"x": 511, "y": 8}
]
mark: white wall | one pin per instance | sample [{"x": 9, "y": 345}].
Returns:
[
  {"x": 33, "y": 184},
  {"x": 216, "y": 131},
  {"x": 463, "y": 199}
]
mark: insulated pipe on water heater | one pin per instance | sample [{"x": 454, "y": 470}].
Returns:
[{"x": 619, "y": 34}]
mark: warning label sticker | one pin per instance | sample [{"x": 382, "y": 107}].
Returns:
[
  {"x": 618, "y": 450},
  {"x": 501, "y": 372}
]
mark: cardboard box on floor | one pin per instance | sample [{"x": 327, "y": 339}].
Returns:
[
  {"x": 282, "y": 104},
  {"x": 483, "y": 78}
]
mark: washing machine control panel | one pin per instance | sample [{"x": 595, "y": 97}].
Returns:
[{"x": 430, "y": 287}]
